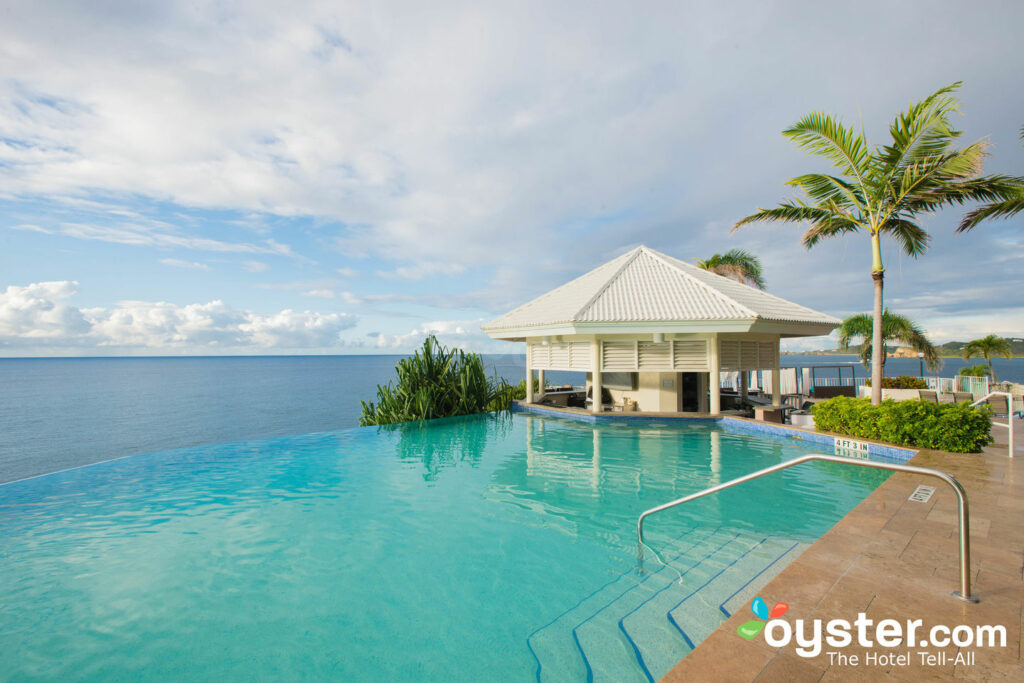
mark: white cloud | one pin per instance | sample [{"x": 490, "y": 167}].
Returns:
[
  {"x": 38, "y": 319},
  {"x": 142, "y": 236},
  {"x": 28, "y": 227},
  {"x": 523, "y": 139},
  {"x": 255, "y": 266},
  {"x": 188, "y": 265},
  {"x": 464, "y": 334},
  {"x": 347, "y": 272},
  {"x": 319, "y": 293},
  {"x": 423, "y": 270},
  {"x": 39, "y": 313}
]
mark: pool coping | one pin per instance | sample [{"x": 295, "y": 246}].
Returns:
[
  {"x": 834, "y": 443},
  {"x": 893, "y": 557}
]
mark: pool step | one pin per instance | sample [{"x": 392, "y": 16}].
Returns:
[{"x": 636, "y": 627}]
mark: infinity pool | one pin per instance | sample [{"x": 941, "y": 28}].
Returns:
[{"x": 481, "y": 548}]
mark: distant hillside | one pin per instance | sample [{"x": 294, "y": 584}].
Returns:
[
  {"x": 951, "y": 349},
  {"x": 954, "y": 348}
]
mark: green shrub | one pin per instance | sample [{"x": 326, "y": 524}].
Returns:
[
  {"x": 901, "y": 382},
  {"x": 437, "y": 382},
  {"x": 519, "y": 390},
  {"x": 954, "y": 427},
  {"x": 975, "y": 371}
]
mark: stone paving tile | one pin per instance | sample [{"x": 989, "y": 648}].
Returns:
[
  {"x": 786, "y": 668},
  {"x": 894, "y": 558}
]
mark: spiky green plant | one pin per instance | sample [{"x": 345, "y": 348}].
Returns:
[
  {"x": 436, "y": 382},
  {"x": 895, "y": 328},
  {"x": 987, "y": 347},
  {"x": 737, "y": 264},
  {"x": 884, "y": 191}
]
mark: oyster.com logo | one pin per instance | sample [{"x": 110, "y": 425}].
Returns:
[
  {"x": 760, "y": 609},
  {"x": 904, "y": 641}
]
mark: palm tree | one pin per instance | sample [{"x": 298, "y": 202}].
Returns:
[
  {"x": 895, "y": 328},
  {"x": 737, "y": 264},
  {"x": 975, "y": 371},
  {"x": 885, "y": 190},
  {"x": 1001, "y": 208},
  {"x": 986, "y": 347}
]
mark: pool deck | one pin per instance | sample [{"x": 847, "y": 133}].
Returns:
[
  {"x": 895, "y": 558},
  {"x": 892, "y": 558}
]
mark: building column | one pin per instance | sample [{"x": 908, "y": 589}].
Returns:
[
  {"x": 529, "y": 373},
  {"x": 595, "y": 384},
  {"x": 743, "y": 384},
  {"x": 777, "y": 377},
  {"x": 540, "y": 382},
  {"x": 715, "y": 379}
]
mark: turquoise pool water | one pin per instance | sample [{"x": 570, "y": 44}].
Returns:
[{"x": 482, "y": 548}]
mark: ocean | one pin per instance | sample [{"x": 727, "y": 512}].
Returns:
[{"x": 58, "y": 413}]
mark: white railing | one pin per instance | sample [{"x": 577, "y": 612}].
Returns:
[
  {"x": 837, "y": 382},
  {"x": 977, "y": 386},
  {"x": 1009, "y": 414},
  {"x": 794, "y": 382},
  {"x": 963, "y": 513}
]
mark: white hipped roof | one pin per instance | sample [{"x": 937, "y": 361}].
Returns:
[{"x": 647, "y": 291}]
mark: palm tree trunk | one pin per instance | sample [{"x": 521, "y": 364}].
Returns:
[{"x": 877, "y": 345}]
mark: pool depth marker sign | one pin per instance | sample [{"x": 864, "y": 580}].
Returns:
[{"x": 851, "y": 447}]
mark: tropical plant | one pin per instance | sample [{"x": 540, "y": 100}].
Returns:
[
  {"x": 987, "y": 347},
  {"x": 519, "y": 390},
  {"x": 901, "y": 382},
  {"x": 436, "y": 382},
  {"x": 895, "y": 328},
  {"x": 1005, "y": 207},
  {"x": 738, "y": 264},
  {"x": 884, "y": 191},
  {"x": 979, "y": 370},
  {"x": 953, "y": 427}
]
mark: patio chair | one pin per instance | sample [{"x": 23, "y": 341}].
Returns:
[
  {"x": 928, "y": 396},
  {"x": 606, "y": 398},
  {"x": 963, "y": 397},
  {"x": 999, "y": 406}
]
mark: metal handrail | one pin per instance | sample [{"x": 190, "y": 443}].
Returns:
[
  {"x": 1009, "y": 413},
  {"x": 965, "y": 540}
]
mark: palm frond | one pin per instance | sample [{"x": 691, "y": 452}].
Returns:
[
  {"x": 737, "y": 264},
  {"x": 825, "y": 136},
  {"x": 1003, "y": 209},
  {"x": 895, "y": 328},
  {"x": 792, "y": 212},
  {"x": 921, "y": 132},
  {"x": 986, "y": 347},
  {"x": 822, "y": 188},
  {"x": 910, "y": 236},
  {"x": 829, "y": 226}
]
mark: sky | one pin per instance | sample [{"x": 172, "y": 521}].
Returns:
[{"x": 204, "y": 178}]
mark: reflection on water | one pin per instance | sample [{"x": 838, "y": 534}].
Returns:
[
  {"x": 597, "y": 478},
  {"x": 445, "y": 443}
]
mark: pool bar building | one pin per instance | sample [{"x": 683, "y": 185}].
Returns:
[{"x": 654, "y": 330}]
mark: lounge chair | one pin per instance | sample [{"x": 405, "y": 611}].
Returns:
[
  {"x": 928, "y": 396},
  {"x": 832, "y": 392},
  {"x": 963, "y": 397},
  {"x": 999, "y": 406}
]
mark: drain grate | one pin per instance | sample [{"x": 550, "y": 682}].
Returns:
[{"x": 922, "y": 494}]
